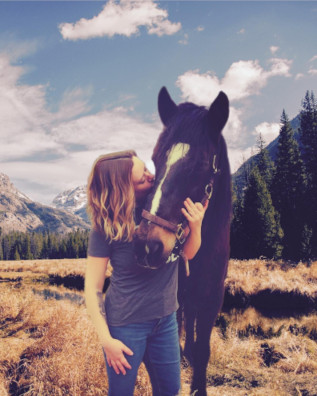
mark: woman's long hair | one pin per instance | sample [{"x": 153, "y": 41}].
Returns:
[{"x": 111, "y": 196}]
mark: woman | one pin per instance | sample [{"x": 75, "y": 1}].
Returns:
[{"x": 137, "y": 321}]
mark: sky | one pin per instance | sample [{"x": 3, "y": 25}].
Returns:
[{"x": 81, "y": 78}]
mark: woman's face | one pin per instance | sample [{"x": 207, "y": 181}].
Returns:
[{"x": 142, "y": 179}]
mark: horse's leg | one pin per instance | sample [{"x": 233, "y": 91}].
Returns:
[
  {"x": 201, "y": 351},
  {"x": 190, "y": 316}
]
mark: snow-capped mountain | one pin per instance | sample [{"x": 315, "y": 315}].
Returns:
[
  {"x": 20, "y": 213},
  {"x": 74, "y": 201}
]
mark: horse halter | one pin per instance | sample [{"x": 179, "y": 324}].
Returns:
[{"x": 179, "y": 229}]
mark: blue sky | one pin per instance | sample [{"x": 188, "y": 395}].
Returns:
[{"x": 79, "y": 79}]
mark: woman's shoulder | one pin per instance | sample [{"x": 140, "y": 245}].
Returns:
[{"x": 98, "y": 244}]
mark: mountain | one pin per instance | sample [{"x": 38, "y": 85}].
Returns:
[
  {"x": 20, "y": 213},
  {"x": 74, "y": 201},
  {"x": 238, "y": 177}
]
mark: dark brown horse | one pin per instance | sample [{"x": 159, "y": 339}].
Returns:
[{"x": 191, "y": 154}]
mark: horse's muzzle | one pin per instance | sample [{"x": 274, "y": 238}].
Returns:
[{"x": 149, "y": 254}]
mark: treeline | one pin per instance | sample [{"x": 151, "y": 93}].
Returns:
[
  {"x": 275, "y": 214},
  {"x": 29, "y": 246}
]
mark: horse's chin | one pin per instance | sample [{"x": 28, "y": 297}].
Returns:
[{"x": 151, "y": 262}]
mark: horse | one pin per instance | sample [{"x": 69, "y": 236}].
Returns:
[{"x": 191, "y": 160}]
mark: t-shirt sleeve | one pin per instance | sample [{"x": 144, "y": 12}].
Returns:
[{"x": 98, "y": 245}]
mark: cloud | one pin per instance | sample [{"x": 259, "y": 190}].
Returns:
[
  {"x": 269, "y": 131},
  {"x": 124, "y": 18},
  {"x": 46, "y": 152},
  {"x": 108, "y": 130},
  {"x": 200, "y": 28},
  {"x": 313, "y": 58},
  {"x": 312, "y": 72},
  {"x": 241, "y": 31},
  {"x": 74, "y": 103},
  {"x": 15, "y": 48},
  {"x": 274, "y": 49},
  {"x": 23, "y": 114},
  {"x": 242, "y": 79},
  {"x": 299, "y": 76}
]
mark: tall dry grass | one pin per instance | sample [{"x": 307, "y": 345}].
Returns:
[
  {"x": 49, "y": 347},
  {"x": 249, "y": 276},
  {"x": 252, "y": 276}
]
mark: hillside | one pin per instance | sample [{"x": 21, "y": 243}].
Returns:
[
  {"x": 238, "y": 178},
  {"x": 20, "y": 213}
]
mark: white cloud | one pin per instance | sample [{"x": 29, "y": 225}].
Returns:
[
  {"x": 280, "y": 67},
  {"x": 313, "y": 58},
  {"x": 269, "y": 131},
  {"x": 108, "y": 130},
  {"x": 241, "y": 31},
  {"x": 23, "y": 114},
  {"x": 124, "y": 18},
  {"x": 200, "y": 28},
  {"x": 74, "y": 103},
  {"x": 299, "y": 76},
  {"x": 242, "y": 79},
  {"x": 15, "y": 48},
  {"x": 274, "y": 49},
  {"x": 312, "y": 72},
  {"x": 30, "y": 132}
]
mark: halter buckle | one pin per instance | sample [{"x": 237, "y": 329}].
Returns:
[
  {"x": 209, "y": 190},
  {"x": 214, "y": 167},
  {"x": 180, "y": 234}
]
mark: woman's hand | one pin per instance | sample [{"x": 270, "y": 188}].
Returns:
[
  {"x": 115, "y": 357},
  {"x": 194, "y": 213}
]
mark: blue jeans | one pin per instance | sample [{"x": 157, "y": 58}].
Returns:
[{"x": 155, "y": 342}]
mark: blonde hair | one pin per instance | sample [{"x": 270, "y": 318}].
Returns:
[{"x": 110, "y": 194}]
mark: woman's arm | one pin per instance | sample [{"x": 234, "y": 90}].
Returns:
[
  {"x": 194, "y": 213},
  {"x": 94, "y": 281}
]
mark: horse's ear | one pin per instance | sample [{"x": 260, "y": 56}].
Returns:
[
  {"x": 166, "y": 107},
  {"x": 218, "y": 115}
]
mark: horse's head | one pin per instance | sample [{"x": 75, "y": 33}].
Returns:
[{"x": 185, "y": 157}]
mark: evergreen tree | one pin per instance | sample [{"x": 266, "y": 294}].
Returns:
[
  {"x": 237, "y": 240},
  {"x": 27, "y": 254},
  {"x": 264, "y": 162},
  {"x": 261, "y": 229},
  {"x": 288, "y": 189},
  {"x": 16, "y": 254},
  {"x": 308, "y": 135}
]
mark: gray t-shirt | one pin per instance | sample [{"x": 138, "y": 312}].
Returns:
[{"x": 135, "y": 294}]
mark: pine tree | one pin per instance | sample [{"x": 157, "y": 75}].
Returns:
[
  {"x": 308, "y": 135},
  {"x": 288, "y": 189},
  {"x": 237, "y": 237},
  {"x": 264, "y": 162},
  {"x": 17, "y": 255},
  {"x": 261, "y": 228},
  {"x": 26, "y": 249}
]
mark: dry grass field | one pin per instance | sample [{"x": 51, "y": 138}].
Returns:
[{"x": 49, "y": 347}]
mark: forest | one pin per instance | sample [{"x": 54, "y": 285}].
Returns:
[{"x": 275, "y": 213}]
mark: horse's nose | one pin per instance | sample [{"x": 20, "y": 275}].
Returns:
[{"x": 154, "y": 248}]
